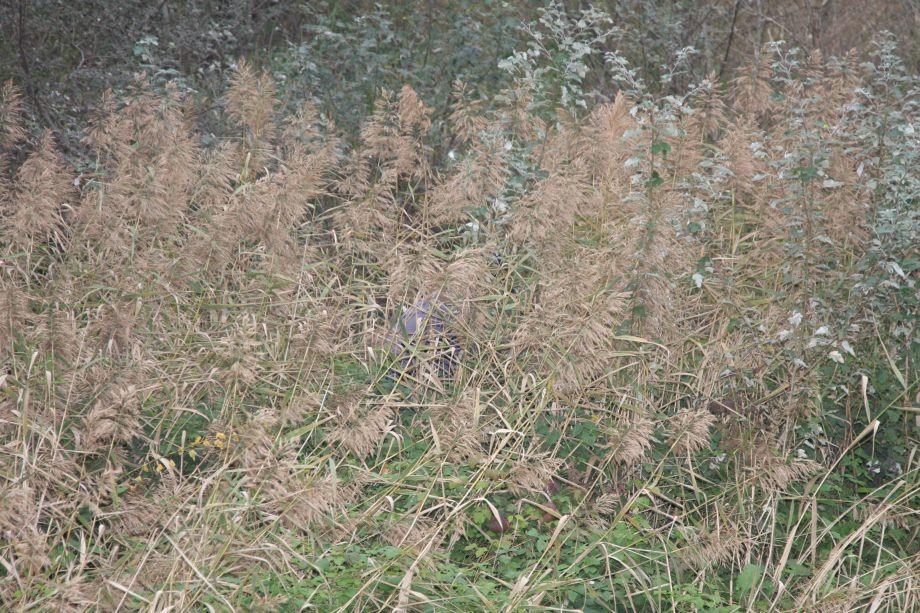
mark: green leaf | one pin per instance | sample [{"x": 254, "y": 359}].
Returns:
[
  {"x": 749, "y": 577},
  {"x": 660, "y": 147}
]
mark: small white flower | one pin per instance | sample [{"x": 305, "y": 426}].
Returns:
[
  {"x": 796, "y": 318},
  {"x": 698, "y": 279}
]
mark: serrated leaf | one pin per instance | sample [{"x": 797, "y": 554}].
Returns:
[
  {"x": 848, "y": 348},
  {"x": 748, "y": 578}
]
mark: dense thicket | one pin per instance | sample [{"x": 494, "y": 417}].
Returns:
[
  {"x": 590, "y": 336},
  {"x": 340, "y": 53}
]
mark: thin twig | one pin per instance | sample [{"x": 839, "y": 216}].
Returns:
[{"x": 731, "y": 37}]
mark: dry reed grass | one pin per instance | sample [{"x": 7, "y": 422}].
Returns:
[{"x": 191, "y": 402}]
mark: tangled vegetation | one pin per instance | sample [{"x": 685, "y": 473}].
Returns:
[{"x": 656, "y": 352}]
